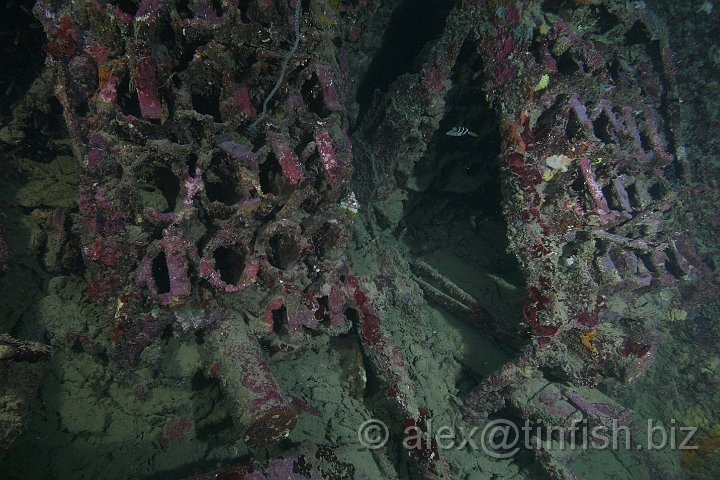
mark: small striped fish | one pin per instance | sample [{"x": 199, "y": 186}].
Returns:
[{"x": 460, "y": 131}]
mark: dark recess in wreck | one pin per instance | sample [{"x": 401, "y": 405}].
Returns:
[{"x": 413, "y": 25}]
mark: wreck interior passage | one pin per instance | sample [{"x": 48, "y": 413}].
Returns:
[{"x": 454, "y": 226}]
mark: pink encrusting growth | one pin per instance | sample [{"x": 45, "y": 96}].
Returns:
[
  {"x": 241, "y": 99},
  {"x": 295, "y": 314},
  {"x": 108, "y": 90},
  {"x": 176, "y": 429},
  {"x": 208, "y": 270},
  {"x": 267, "y": 317},
  {"x": 292, "y": 169},
  {"x": 596, "y": 193},
  {"x": 433, "y": 79},
  {"x": 98, "y": 53},
  {"x": 174, "y": 249},
  {"x": 193, "y": 185},
  {"x": 300, "y": 311},
  {"x": 147, "y": 89},
  {"x": 107, "y": 252},
  {"x": 265, "y": 415},
  {"x": 227, "y": 240},
  {"x": 336, "y": 304},
  {"x": 379, "y": 344},
  {"x": 294, "y": 310},
  {"x": 330, "y": 96},
  {"x": 328, "y": 156}
]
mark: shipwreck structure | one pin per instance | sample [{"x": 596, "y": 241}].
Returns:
[{"x": 226, "y": 149}]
